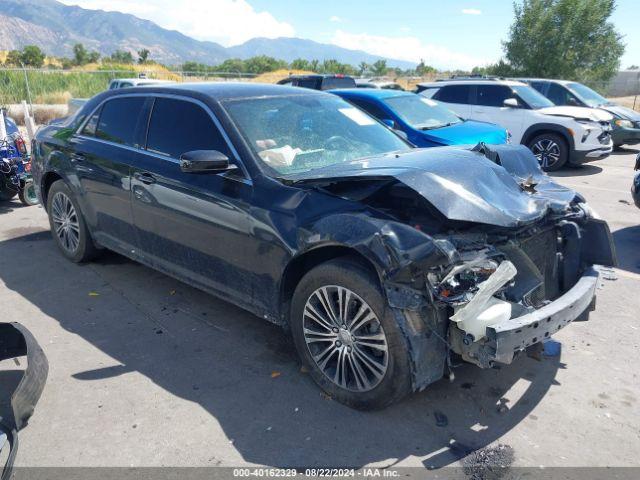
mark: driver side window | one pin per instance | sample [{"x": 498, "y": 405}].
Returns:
[{"x": 179, "y": 126}]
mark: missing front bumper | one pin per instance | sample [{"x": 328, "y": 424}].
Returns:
[{"x": 506, "y": 339}]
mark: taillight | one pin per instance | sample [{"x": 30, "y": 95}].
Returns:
[{"x": 20, "y": 145}]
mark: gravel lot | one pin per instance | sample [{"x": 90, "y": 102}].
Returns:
[{"x": 145, "y": 371}]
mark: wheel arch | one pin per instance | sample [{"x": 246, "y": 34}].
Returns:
[
  {"x": 541, "y": 128},
  {"x": 304, "y": 262},
  {"x": 48, "y": 179}
]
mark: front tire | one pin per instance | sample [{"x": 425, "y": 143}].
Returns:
[
  {"x": 68, "y": 227},
  {"x": 551, "y": 150},
  {"x": 347, "y": 337}
]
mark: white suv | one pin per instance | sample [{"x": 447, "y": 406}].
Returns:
[{"x": 556, "y": 135}]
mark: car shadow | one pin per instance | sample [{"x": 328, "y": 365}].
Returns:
[
  {"x": 627, "y": 241},
  {"x": 625, "y": 150},
  {"x": 577, "y": 171},
  {"x": 244, "y": 373}
]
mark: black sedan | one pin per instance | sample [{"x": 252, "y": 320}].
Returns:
[{"x": 384, "y": 261}]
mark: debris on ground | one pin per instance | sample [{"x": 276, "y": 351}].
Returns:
[
  {"x": 552, "y": 348},
  {"x": 491, "y": 463},
  {"x": 441, "y": 419}
]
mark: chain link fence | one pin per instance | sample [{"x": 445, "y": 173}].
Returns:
[{"x": 49, "y": 91}]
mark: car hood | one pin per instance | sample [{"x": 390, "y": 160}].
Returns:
[
  {"x": 502, "y": 185},
  {"x": 468, "y": 132},
  {"x": 622, "y": 112},
  {"x": 580, "y": 113}
]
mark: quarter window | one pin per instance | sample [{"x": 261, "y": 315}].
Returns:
[
  {"x": 493, "y": 95},
  {"x": 119, "y": 120},
  {"x": 179, "y": 126},
  {"x": 453, "y": 94},
  {"x": 92, "y": 124}
]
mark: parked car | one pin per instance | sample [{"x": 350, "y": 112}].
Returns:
[
  {"x": 75, "y": 104},
  {"x": 319, "y": 82},
  {"x": 635, "y": 187},
  {"x": 372, "y": 83},
  {"x": 555, "y": 135},
  {"x": 425, "y": 122},
  {"x": 381, "y": 259},
  {"x": 136, "y": 82},
  {"x": 626, "y": 122}
]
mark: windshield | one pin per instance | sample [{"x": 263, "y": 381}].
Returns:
[
  {"x": 588, "y": 96},
  {"x": 299, "y": 133},
  {"x": 533, "y": 98},
  {"x": 422, "y": 113}
]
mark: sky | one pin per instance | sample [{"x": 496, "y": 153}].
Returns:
[{"x": 446, "y": 34}]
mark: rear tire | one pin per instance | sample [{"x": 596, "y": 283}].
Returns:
[
  {"x": 551, "y": 150},
  {"x": 27, "y": 194},
  {"x": 369, "y": 375},
  {"x": 68, "y": 227}
]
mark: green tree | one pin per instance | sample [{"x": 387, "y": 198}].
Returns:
[
  {"x": 315, "y": 65},
  {"x": 32, "y": 56},
  {"x": 93, "y": 57},
  {"x": 262, "y": 64},
  {"x": 121, "y": 56},
  {"x": 143, "y": 55},
  {"x": 424, "y": 69},
  {"x": 363, "y": 67},
  {"x": 80, "y": 54},
  {"x": 379, "y": 68},
  {"x": 571, "y": 39},
  {"x": 300, "y": 64},
  {"x": 14, "y": 58}
]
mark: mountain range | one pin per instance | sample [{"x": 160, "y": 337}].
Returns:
[{"x": 56, "y": 27}]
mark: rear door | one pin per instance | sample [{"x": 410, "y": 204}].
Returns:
[
  {"x": 457, "y": 98},
  {"x": 489, "y": 107},
  {"x": 104, "y": 150},
  {"x": 196, "y": 226}
]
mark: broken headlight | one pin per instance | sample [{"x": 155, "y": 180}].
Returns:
[{"x": 462, "y": 281}]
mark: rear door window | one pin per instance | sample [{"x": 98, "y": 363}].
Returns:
[
  {"x": 307, "y": 83},
  {"x": 453, "y": 94},
  {"x": 118, "y": 121},
  {"x": 493, "y": 95},
  {"x": 180, "y": 126}
]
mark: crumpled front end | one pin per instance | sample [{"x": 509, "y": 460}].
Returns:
[{"x": 512, "y": 291}]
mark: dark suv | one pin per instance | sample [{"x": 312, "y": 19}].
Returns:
[
  {"x": 319, "y": 82},
  {"x": 381, "y": 259}
]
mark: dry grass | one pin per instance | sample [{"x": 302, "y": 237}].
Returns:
[
  {"x": 41, "y": 113},
  {"x": 276, "y": 76},
  {"x": 629, "y": 102}
]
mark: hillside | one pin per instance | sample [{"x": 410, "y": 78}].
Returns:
[{"x": 56, "y": 27}]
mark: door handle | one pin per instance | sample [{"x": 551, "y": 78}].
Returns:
[
  {"x": 144, "y": 177},
  {"x": 77, "y": 157}
]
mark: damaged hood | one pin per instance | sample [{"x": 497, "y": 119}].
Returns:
[
  {"x": 579, "y": 113},
  {"x": 621, "y": 112},
  {"x": 508, "y": 190}
]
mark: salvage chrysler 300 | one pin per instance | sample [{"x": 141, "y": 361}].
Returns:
[{"x": 384, "y": 261}]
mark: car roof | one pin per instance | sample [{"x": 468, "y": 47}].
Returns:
[
  {"x": 375, "y": 93},
  {"x": 318, "y": 75},
  {"x": 220, "y": 91},
  {"x": 511, "y": 83},
  {"x": 550, "y": 80}
]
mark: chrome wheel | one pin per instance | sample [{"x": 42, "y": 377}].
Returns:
[
  {"x": 547, "y": 152},
  {"x": 65, "y": 222},
  {"x": 345, "y": 338}
]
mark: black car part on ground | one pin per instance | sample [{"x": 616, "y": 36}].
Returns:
[{"x": 17, "y": 341}]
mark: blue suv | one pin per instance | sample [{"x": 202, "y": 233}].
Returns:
[{"x": 425, "y": 122}]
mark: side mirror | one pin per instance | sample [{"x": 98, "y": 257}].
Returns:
[
  {"x": 637, "y": 167},
  {"x": 572, "y": 102},
  {"x": 511, "y": 103},
  {"x": 204, "y": 161},
  {"x": 389, "y": 123}
]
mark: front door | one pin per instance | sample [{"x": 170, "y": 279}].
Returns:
[
  {"x": 196, "y": 226},
  {"x": 489, "y": 107}
]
